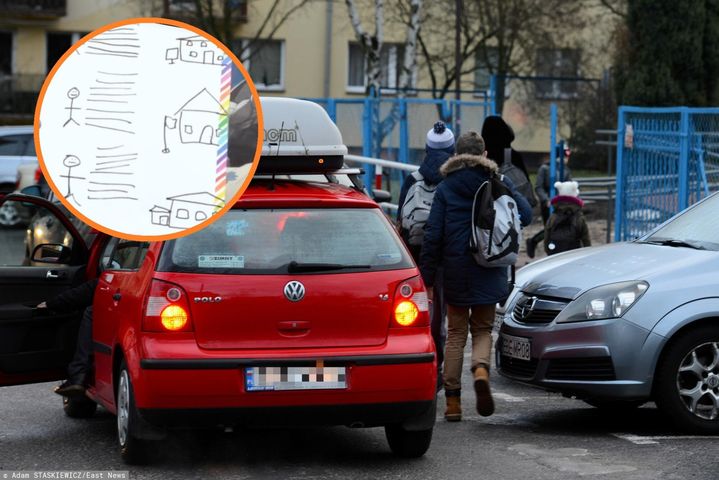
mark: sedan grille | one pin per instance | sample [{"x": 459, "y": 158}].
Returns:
[
  {"x": 591, "y": 368},
  {"x": 518, "y": 368},
  {"x": 535, "y": 309}
]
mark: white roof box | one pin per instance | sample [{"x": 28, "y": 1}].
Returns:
[{"x": 299, "y": 128}]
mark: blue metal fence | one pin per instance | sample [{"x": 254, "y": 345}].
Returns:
[
  {"x": 395, "y": 128},
  {"x": 667, "y": 159}
]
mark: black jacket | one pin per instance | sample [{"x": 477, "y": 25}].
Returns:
[
  {"x": 77, "y": 298},
  {"x": 498, "y": 135}
]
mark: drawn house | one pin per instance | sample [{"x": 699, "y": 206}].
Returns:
[
  {"x": 198, "y": 120},
  {"x": 195, "y": 49},
  {"x": 186, "y": 210}
]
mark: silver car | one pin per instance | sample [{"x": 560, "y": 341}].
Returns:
[{"x": 625, "y": 323}]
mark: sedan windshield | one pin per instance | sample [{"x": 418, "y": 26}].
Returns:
[
  {"x": 697, "y": 228},
  {"x": 282, "y": 241}
]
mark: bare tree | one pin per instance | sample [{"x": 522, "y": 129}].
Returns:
[{"x": 371, "y": 44}]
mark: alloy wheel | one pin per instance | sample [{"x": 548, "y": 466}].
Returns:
[
  {"x": 123, "y": 408},
  {"x": 698, "y": 381}
]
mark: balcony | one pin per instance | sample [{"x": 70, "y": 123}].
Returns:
[
  {"x": 18, "y": 94},
  {"x": 186, "y": 10},
  {"x": 25, "y": 10}
]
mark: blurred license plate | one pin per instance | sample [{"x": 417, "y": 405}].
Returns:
[
  {"x": 516, "y": 347},
  {"x": 258, "y": 379}
]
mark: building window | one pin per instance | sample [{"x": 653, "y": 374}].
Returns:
[
  {"x": 200, "y": 216},
  {"x": 188, "y": 129},
  {"x": 485, "y": 64},
  {"x": 391, "y": 59},
  {"x": 57, "y": 44},
  {"x": 6, "y": 53},
  {"x": 559, "y": 63},
  {"x": 265, "y": 62},
  {"x": 182, "y": 213}
]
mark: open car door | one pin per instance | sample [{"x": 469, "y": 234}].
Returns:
[{"x": 42, "y": 256}]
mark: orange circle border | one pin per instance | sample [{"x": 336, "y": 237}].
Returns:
[{"x": 235, "y": 197}]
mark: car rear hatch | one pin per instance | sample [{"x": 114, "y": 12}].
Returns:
[{"x": 290, "y": 278}]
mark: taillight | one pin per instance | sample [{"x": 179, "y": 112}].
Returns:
[
  {"x": 38, "y": 175},
  {"x": 411, "y": 307},
  {"x": 166, "y": 309}
]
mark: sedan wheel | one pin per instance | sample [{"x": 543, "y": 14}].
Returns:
[
  {"x": 687, "y": 381},
  {"x": 9, "y": 216},
  {"x": 132, "y": 449}
]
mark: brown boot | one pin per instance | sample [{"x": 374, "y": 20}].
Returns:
[
  {"x": 485, "y": 402},
  {"x": 454, "y": 409}
]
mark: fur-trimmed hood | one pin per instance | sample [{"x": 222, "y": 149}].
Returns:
[{"x": 464, "y": 160}]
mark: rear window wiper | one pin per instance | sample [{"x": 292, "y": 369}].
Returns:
[
  {"x": 295, "y": 267},
  {"x": 673, "y": 242}
]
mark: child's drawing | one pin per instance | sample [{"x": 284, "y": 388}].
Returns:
[
  {"x": 198, "y": 120},
  {"x": 186, "y": 210},
  {"x": 195, "y": 49},
  {"x": 105, "y": 106}
]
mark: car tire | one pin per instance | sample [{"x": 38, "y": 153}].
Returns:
[
  {"x": 406, "y": 443},
  {"x": 78, "y": 407},
  {"x": 687, "y": 381},
  {"x": 614, "y": 405},
  {"x": 132, "y": 449}
]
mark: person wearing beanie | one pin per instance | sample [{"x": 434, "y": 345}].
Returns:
[
  {"x": 498, "y": 136},
  {"x": 439, "y": 147},
  {"x": 470, "y": 290}
]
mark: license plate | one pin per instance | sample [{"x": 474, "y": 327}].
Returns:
[
  {"x": 260, "y": 379},
  {"x": 516, "y": 347}
]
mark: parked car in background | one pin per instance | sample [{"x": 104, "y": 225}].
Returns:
[
  {"x": 16, "y": 149},
  {"x": 626, "y": 323}
]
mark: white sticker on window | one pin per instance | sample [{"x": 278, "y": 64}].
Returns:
[
  {"x": 236, "y": 228},
  {"x": 221, "y": 261}
]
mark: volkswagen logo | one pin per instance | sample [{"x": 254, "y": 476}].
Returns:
[
  {"x": 294, "y": 291},
  {"x": 527, "y": 307}
]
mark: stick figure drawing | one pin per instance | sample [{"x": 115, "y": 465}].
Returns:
[
  {"x": 71, "y": 161},
  {"x": 72, "y": 94}
]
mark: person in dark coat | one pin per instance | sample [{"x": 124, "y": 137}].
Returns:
[
  {"x": 498, "y": 136},
  {"x": 72, "y": 300},
  {"x": 439, "y": 147},
  {"x": 567, "y": 223},
  {"x": 470, "y": 291}
]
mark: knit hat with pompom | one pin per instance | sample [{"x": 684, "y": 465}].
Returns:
[{"x": 440, "y": 136}]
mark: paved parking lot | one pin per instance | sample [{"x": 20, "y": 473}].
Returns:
[{"x": 11, "y": 246}]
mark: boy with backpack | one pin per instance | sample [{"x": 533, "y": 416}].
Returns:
[
  {"x": 566, "y": 228},
  {"x": 415, "y": 201},
  {"x": 471, "y": 191}
]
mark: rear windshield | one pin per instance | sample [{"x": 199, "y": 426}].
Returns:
[{"x": 281, "y": 241}]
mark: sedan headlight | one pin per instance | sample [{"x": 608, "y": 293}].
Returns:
[{"x": 607, "y": 301}]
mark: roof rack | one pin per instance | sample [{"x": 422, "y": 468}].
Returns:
[{"x": 339, "y": 171}]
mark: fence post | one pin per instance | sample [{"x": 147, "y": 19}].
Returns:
[
  {"x": 552, "y": 148},
  {"x": 367, "y": 140},
  {"x": 403, "y": 132},
  {"x": 684, "y": 159},
  {"x": 332, "y": 109},
  {"x": 619, "y": 193},
  {"x": 493, "y": 92}
]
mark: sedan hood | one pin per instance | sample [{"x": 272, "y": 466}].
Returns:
[{"x": 567, "y": 275}]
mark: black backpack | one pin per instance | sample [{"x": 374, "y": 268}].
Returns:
[{"x": 563, "y": 231}]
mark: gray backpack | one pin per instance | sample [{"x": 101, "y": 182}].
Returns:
[
  {"x": 496, "y": 229},
  {"x": 416, "y": 207}
]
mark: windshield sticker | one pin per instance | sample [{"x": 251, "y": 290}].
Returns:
[
  {"x": 221, "y": 261},
  {"x": 236, "y": 228}
]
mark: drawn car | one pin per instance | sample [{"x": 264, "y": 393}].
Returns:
[
  {"x": 301, "y": 305},
  {"x": 626, "y": 323}
]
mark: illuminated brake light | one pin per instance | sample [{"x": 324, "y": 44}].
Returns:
[
  {"x": 174, "y": 317},
  {"x": 405, "y": 313}
]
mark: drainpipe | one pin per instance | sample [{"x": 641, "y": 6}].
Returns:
[{"x": 328, "y": 47}]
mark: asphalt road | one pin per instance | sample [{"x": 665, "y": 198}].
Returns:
[
  {"x": 12, "y": 246},
  {"x": 533, "y": 435}
]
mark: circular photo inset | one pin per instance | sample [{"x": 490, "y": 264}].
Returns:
[{"x": 131, "y": 129}]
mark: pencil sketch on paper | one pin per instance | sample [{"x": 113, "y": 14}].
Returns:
[
  {"x": 197, "y": 120},
  {"x": 123, "y": 42},
  {"x": 72, "y": 94},
  {"x": 71, "y": 161},
  {"x": 195, "y": 49},
  {"x": 186, "y": 210}
]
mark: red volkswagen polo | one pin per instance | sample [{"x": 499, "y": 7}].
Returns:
[{"x": 300, "y": 305}]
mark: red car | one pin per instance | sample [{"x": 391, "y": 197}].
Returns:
[{"x": 301, "y": 305}]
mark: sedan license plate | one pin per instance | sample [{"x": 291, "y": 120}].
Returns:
[
  {"x": 516, "y": 347},
  {"x": 260, "y": 379}
]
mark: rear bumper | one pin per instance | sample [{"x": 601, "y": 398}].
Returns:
[{"x": 419, "y": 415}]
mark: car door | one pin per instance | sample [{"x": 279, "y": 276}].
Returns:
[{"x": 37, "y": 343}]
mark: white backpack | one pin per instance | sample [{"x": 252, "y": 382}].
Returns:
[
  {"x": 496, "y": 229},
  {"x": 416, "y": 207}
]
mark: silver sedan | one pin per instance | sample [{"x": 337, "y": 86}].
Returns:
[{"x": 625, "y": 323}]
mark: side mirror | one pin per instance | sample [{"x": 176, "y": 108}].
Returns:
[
  {"x": 381, "y": 196},
  {"x": 51, "y": 253},
  {"x": 34, "y": 190}
]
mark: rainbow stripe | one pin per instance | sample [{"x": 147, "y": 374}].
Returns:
[{"x": 222, "y": 146}]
